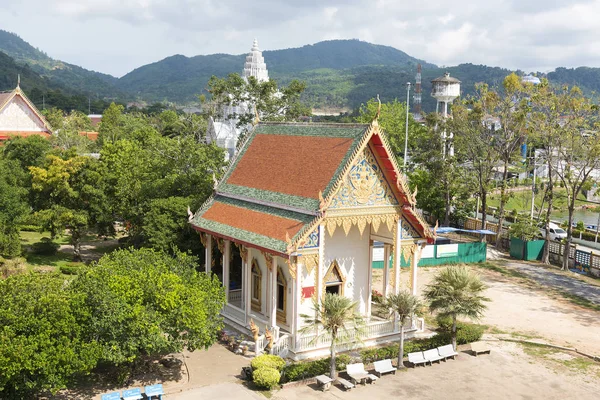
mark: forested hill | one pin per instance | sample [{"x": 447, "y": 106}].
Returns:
[
  {"x": 339, "y": 74},
  {"x": 61, "y": 73},
  {"x": 324, "y": 66}
]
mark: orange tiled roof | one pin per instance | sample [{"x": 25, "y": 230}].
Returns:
[
  {"x": 293, "y": 165},
  {"x": 258, "y": 222}
]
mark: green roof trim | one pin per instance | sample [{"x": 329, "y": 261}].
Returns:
[
  {"x": 242, "y": 235},
  {"x": 278, "y": 212},
  {"x": 303, "y": 203},
  {"x": 311, "y": 129}
]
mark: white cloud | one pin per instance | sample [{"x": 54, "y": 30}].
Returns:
[{"x": 116, "y": 36}]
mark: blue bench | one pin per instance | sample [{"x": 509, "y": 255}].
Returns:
[
  {"x": 111, "y": 396},
  {"x": 154, "y": 390},
  {"x": 132, "y": 394}
]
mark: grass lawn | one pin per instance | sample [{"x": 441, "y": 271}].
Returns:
[{"x": 521, "y": 201}]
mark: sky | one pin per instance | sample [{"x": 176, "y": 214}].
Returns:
[{"x": 117, "y": 36}]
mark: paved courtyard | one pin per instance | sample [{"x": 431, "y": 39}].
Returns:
[{"x": 557, "y": 280}]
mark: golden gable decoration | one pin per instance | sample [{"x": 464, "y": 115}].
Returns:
[{"x": 364, "y": 185}]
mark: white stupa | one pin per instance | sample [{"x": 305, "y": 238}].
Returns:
[{"x": 255, "y": 64}]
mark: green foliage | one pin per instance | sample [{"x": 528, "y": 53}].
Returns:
[
  {"x": 266, "y": 378},
  {"x": 524, "y": 229},
  {"x": 27, "y": 151},
  {"x": 43, "y": 346},
  {"x": 69, "y": 269},
  {"x": 45, "y": 247},
  {"x": 336, "y": 318},
  {"x": 13, "y": 207},
  {"x": 267, "y": 360},
  {"x": 308, "y": 369},
  {"x": 149, "y": 303},
  {"x": 466, "y": 333},
  {"x": 456, "y": 291}
]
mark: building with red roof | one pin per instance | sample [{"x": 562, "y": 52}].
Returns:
[
  {"x": 20, "y": 117},
  {"x": 295, "y": 217}
]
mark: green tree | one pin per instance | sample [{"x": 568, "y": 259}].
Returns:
[
  {"x": 578, "y": 151},
  {"x": 525, "y": 229},
  {"x": 67, "y": 133},
  {"x": 265, "y": 98},
  {"x": 335, "y": 318},
  {"x": 28, "y": 151},
  {"x": 13, "y": 207},
  {"x": 456, "y": 292},
  {"x": 42, "y": 345},
  {"x": 71, "y": 195},
  {"x": 392, "y": 120},
  {"x": 402, "y": 305},
  {"x": 147, "y": 303},
  {"x": 473, "y": 136},
  {"x": 111, "y": 127}
]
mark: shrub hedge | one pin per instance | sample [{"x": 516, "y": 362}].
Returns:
[
  {"x": 267, "y": 361},
  {"x": 69, "y": 269},
  {"x": 465, "y": 333},
  {"x": 266, "y": 378},
  {"x": 45, "y": 247},
  {"x": 309, "y": 369}
]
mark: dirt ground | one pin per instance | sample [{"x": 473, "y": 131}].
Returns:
[{"x": 506, "y": 373}]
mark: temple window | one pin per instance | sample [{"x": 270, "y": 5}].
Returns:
[
  {"x": 334, "y": 280},
  {"x": 281, "y": 296},
  {"x": 256, "y": 286}
]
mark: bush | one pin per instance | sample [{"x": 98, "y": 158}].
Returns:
[
  {"x": 266, "y": 378},
  {"x": 309, "y": 369},
  {"x": 30, "y": 228},
  {"x": 69, "y": 269},
  {"x": 267, "y": 361},
  {"x": 45, "y": 247},
  {"x": 10, "y": 244}
]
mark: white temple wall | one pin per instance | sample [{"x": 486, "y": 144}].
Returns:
[
  {"x": 18, "y": 117},
  {"x": 352, "y": 254},
  {"x": 307, "y": 280}
]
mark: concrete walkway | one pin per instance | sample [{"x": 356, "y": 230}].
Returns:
[
  {"x": 221, "y": 391},
  {"x": 556, "y": 280}
]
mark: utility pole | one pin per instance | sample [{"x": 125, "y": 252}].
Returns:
[
  {"x": 406, "y": 134},
  {"x": 533, "y": 186},
  {"x": 89, "y": 106}
]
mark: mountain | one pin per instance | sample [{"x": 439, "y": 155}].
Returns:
[
  {"x": 61, "y": 73},
  {"x": 329, "y": 64}
]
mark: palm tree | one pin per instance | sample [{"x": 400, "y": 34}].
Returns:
[
  {"x": 336, "y": 318},
  {"x": 456, "y": 291},
  {"x": 405, "y": 305}
]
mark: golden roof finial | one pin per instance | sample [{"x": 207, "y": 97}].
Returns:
[{"x": 378, "y": 108}]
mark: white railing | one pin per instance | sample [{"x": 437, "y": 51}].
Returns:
[
  {"x": 260, "y": 345},
  {"x": 372, "y": 330},
  {"x": 235, "y": 296},
  {"x": 379, "y": 328},
  {"x": 282, "y": 345},
  {"x": 236, "y": 314}
]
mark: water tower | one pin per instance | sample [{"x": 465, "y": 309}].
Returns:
[{"x": 445, "y": 89}]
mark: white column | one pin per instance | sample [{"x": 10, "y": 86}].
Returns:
[
  {"x": 208, "y": 253},
  {"x": 397, "y": 256},
  {"x": 296, "y": 298},
  {"x": 319, "y": 285},
  {"x": 386, "y": 269},
  {"x": 226, "y": 252},
  {"x": 248, "y": 278},
  {"x": 414, "y": 270},
  {"x": 272, "y": 303},
  {"x": 370, "y": 280}
]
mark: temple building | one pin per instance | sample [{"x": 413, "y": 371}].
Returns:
[
  {"x": 20, "y": 117},
  {"x": 296, "y": 216},
  {"x": 224, "y": 130}
]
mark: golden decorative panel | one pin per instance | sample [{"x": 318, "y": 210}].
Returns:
[
  {"x": 364, "y": 185},
  {"x": 408, "y": 232}
]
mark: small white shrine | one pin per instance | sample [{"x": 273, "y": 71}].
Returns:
[
  {"x": 224, "y": 131},
  {"x": 20, "y": 117}
]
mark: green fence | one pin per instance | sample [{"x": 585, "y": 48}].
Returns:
[
  {"x": 526, "y": 250},
  {"x": 439, "y": 254}
]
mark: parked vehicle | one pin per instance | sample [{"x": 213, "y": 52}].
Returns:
[{"x": 556, "y": 232}]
